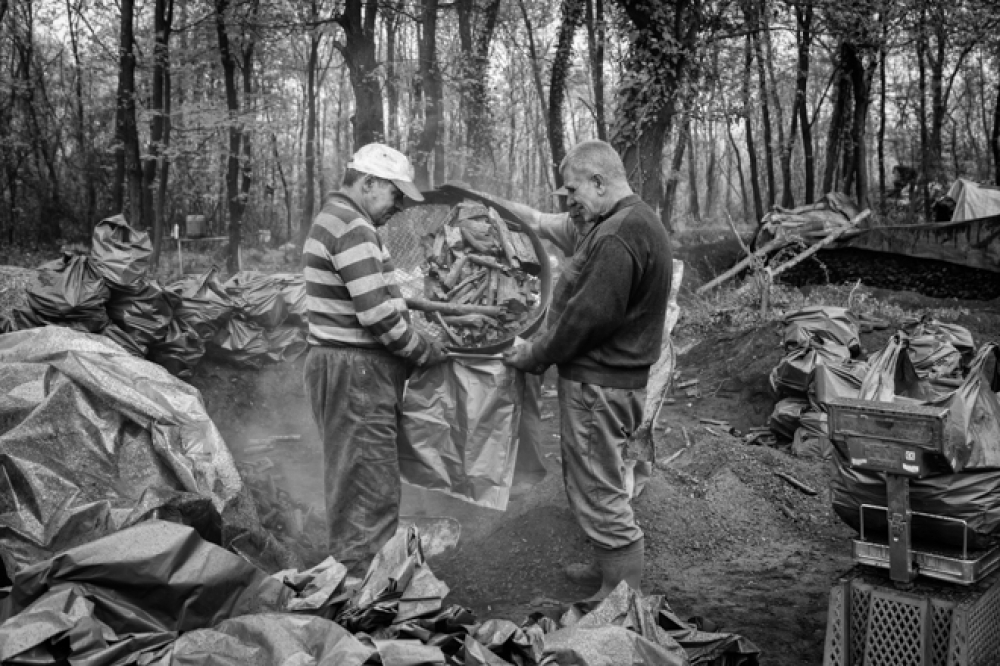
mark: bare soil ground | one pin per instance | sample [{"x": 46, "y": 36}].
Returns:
[{"x": 727, "y": 539}]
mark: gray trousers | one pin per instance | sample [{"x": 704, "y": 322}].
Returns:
[
  {"x": 356, "y": 396},
  {"x": 595, "y": 422}
]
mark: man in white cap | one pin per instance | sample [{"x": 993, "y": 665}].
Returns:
[{"x": 361, "y": 344}]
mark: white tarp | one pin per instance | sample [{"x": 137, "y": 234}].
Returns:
[{"x": 973, "y": 201}]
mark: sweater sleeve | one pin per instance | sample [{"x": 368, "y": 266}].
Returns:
[
  {"x": 359, "y": 260},
  {"x": 596, "y": 308}
]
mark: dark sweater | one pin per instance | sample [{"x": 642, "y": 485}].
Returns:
[{"x": 605, "y": 322}]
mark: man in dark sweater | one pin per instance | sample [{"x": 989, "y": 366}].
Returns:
[{"x": 603, "y": 332}]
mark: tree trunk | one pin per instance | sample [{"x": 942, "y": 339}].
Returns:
[
  {"x": 784, "y": 147},
  {"x": 152, "y": 203},
  {"x": 711, "y": 177},
  {"x": 758, "y": 205},
  {"x": 430, "y": 76},
  {"x": 235, "y": 203},
  {"x": 475, "y": 35},
  {"x": 922, "y": 118},
  {"x": 881, "y": 126},
  {"x": 754, "y": 20},
  {"x": 391, "y": 18},
  {"x": 309, "y": 197},
  {"x": 127, "y": 133},
  {"x": 536, "y": 76},
  {"x": 674, "y": 177},
  {"x": 803, "y": 21},
  {"x": 572, "y": 11},
  {"x": 693, "y": 204},
  {"x": 837, "y": 121},
  {"x": 595, "y": 44},
  {"x": 83, "y": 144},
  {"x": 361, "y": 57},
  {"x": 995, "y": 138}
]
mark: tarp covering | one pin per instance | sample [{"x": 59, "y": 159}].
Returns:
[
  {"x": 793, "y": 375},
  {"x": 87, "y": 432},
  {"x": 205, "y": 306},
  {"x": 263, "y": 301},
  {"x": 973, "y": 201},
  {"x": 459, "y": 429},
  {"x": 70, "y": 292},
  {"x": 786, "y": 416},
  {"x": 812, "y": 222},
  {"x": 821, "y": 322}
]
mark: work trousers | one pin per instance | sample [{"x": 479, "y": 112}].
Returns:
[
  {"x": 356, "y": 396},
  {"x": 595, "y": 422}
]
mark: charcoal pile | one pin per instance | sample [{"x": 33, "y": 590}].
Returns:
[
  {"x": 481, "y": 282},
  {"x": 250, "y": 320},
  {"x": 938, "y": 279}
]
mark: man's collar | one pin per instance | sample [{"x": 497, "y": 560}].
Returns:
[
  {"x": 624, "y": 202},
  {"x": 347, "y": 198}
]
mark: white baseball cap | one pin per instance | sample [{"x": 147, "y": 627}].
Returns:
[{"x": 381, "y": 161}]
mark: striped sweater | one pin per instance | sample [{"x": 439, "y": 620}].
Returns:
[{"x": 351, "y": 294}]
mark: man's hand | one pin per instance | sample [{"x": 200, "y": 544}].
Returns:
[
  {"x": 436, "y": 353},
  {"x": 519, "y": 356}
]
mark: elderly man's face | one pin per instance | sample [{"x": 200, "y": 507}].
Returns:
[
  {"x": 585, "y": 197},
  {"x": 383, "y": 201}
]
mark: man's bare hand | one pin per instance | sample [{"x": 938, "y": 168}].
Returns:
[
  {"x": 436, "y": 353},
  {"x": 519, "y": 356}
]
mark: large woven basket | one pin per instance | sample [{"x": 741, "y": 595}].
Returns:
[{"x": 402, "y": 235}]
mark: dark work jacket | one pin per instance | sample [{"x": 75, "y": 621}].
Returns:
[{"x": 605, "y": 321}]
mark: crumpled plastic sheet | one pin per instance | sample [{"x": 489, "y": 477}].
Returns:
[
  {"x": 459, "y": 429},
  {"x": 85, "y": 430},
  {"x": 180, "y": 351},
  {"x": 120, "y": 253},
  {"x": 811, "y": 439},
  {"x": 793, "y": 375},
  {"x": 933, "y": 357},
  {"x": 158, "y": 594},
  {"x": 286, "y": 343},
  {"x": 69, "y": 291},
  {"x": 822, "y": 322},
  {"x": 205, "y": 306},
  {"x": 144, "y": 313},
  {"x": 836, "y": 380},
  {"x": 958, "y": 336},
  {"x": 891, "y": 374},
  {"x": 786, "y": 416},
  {"x": 129, "y": 593},
  {"x": 263, "y": 301},
  {"x": 293, "y": 290},
  {"x": 242, "y": 343}
]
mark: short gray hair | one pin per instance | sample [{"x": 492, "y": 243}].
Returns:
[{"x": 595, "y": 157}]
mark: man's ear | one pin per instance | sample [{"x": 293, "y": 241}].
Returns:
[
  {"x": 367, "y": 184},
  {"x": 599, "y": 183}
]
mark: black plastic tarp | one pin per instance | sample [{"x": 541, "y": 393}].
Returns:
[
  {"x": 242, "y": 343},
  {"x": 180, "y": 350},
  {"x": 120, "y": 253},
  {"x": 793, "y": 375},
  {"x": 293, "y": 290},
  {"x": 145, "y": 313},
  {"x": 69, "y": 292},
  {"x": 85, "y": 431},
  {"x": 826, "y": 323},
  {"x": 205, "y": 306},
  {"x": 262, "y": 300}
]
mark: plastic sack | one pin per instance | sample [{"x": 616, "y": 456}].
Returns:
[
  {"x": 205, "y": 306},
  {"x": 85, "y": 430},
  {"x": 286, "y": 343},
  {"x": 973, "y": 496},
  {"x": 263, "y": 302},
  {"x": 811, "y": 439},
  {"x": 958, "y": 336},
  {"x": 124, "y": 340},
  {"x": 241, "y": 343},
  {"x": 128, "y": 595},
  {"x": 120, "y": 253},
  {"x": 785, "y": 418},
  {"x": 144, "y": 314},
  {"x": 794, "y": 373},
  {"x": 459, "y": 428},
  {"x": 70, "y": 292},
  {"x": 821, "y": 322},
  {"x": 892, "y": 375},
  {"x": 293, "y": 290},
  {"x": 836, "y": 380},
  {"x": 180, "y": 350},
  {"x": 933, "y": 357}
]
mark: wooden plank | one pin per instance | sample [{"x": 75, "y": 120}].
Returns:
[{"x": 525, "y": 252}]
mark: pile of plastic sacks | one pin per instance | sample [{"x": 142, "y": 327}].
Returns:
[
  {"x": 929, "y": 363},
  {"x": 251, "y": 319}
]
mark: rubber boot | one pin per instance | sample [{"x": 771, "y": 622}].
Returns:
[
  {"x": 586, "y": 574},
  {"x": 620, "y": 564}
]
